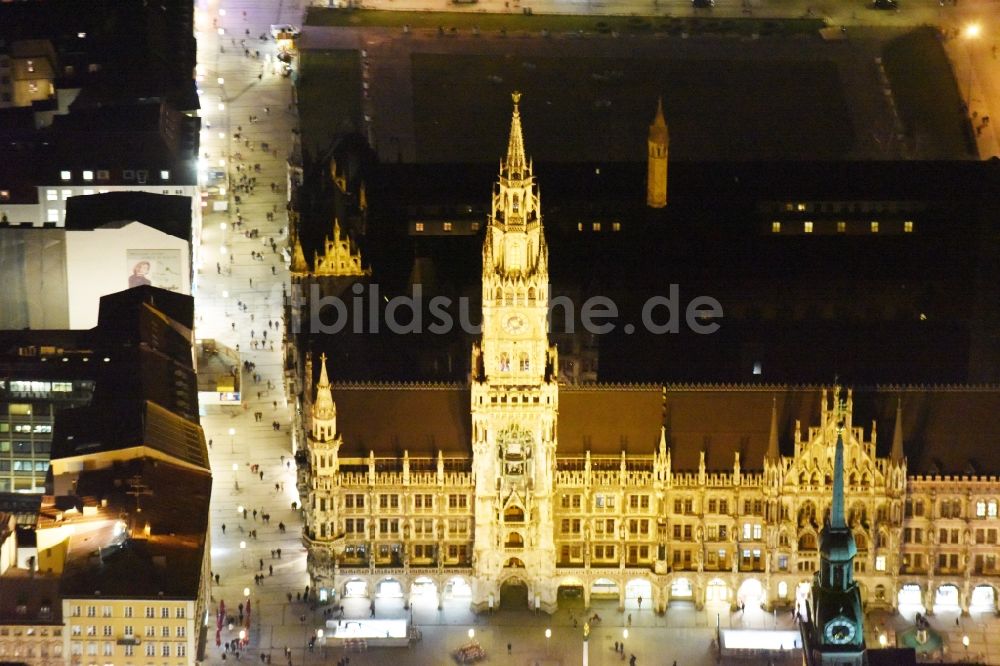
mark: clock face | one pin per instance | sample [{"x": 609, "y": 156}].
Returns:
[
  {"x": 514, "y": 323},
  {"x": 839, "y": 631}
]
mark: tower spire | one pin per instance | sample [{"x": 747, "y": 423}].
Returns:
[
  {"x": 323, "y": 407},
  {"x": 837, "y": 521},
  {"x": 896, "y": 455},
  {"x": 515, "y": 164},
  {"x": 657, "y": 146},
  {"x": 772, "y": 440}
]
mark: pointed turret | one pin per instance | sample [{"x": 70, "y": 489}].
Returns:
[
  {"x": 896, "y": 455},
  {"x": 772, "y": 441},
  {"x": 658, "y": 143},
  {"x": 837, "y": 521},
  {"x": 515, "y": 165},
  {"x": 299, "y": 264},
  {"x": 323, "y": 407}
]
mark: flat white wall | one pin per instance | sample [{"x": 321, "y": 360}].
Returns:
[{"x": 97, "y": 265}]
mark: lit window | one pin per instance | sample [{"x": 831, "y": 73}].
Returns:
[
  {"x": 419, "y": 226},
  {"x": 31, "y": 65},
  {"x": 65, "y": 175},
  {"x": 800, "y": 207},
  {"x": 991, "y": 509},
  {"x": 874, "y": 227},
  {"x": 579, "y": 226},
  {"x": 880, "y": 563},
  {"x": 758, "y": 368},
  {"x": 81, "y": 35},
  {"x": 596, "y": 226},
  {"x": 776, "y": 227},
  {"x": 475, "y": 226},
  {"x": 52, "y": 215},
  {"x": 52, "y": 195},
  {"x": 164, "y": 175},
  {"x": 4, "y": 195},
  {"x": 841, "y": 227},
  {"x": 807, "y": 227},
  {"x": 908, "y": 226},
  {"x": 757, "y": 530},
  {"x": 32, "y": 87},
  {"x": 616, "y": 226},
  {"x": 88, "y": 175},
  {"x": 447, "y": 226}
]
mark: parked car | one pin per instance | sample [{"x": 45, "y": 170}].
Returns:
[
  {"x": 703, "y": 4},
  {"x": 884, "y": 4}
]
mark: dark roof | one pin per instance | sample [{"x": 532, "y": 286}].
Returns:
[
  {"x": 121, "y": 306},
  {"x": 121, "y": 424},
  {"x": 164, "y": 212},
  {"x": 168, "y": 560},
  {"x": 20, "y": 587},
  {"x": 388, "y": 419},
  {"x": 609, "y": 419},
  {"x": 945, "y": 430}
]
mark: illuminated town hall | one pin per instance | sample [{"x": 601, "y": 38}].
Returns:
[{"x": 515, "y": 486}]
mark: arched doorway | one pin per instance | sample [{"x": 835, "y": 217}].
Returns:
[
  {"x": 717, "y": 592},
  {"x": 388, "y": 588},
  {"x": 802, "y": 592},
  {"x": 681, "y": 589},
  {"x": 638, "y": 589},
  {"x": 604, "y": 588},
  {"x": 946, "y": 598},
  {"x": 910, "y": 597},
  {"x": 570, "y": 593},
  {"x": 457, "y": 588},
  {"x": 514, "y": 594},
  {"x": 983, "y": 599},
  {"x": 423, "y": 588},
  {"x": 356, "y": 588},
  {"x": 751, "y": 594}
]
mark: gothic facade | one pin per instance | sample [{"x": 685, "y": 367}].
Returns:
[{"x": 712, "y": 494}]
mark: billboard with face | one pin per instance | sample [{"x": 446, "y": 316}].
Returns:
[{"x": 159, "y": 268}]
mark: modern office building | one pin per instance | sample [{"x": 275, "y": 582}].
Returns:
[{"x": 120, "y": 538}]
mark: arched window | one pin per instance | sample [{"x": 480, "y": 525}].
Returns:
[
  {"x": 531, "y": 293},
  {"x": 504, "y": 364},
  {"x": 523, "y": 362},
  {"x": 517, "y": 202},
  {"x": 807, "y": 541}
]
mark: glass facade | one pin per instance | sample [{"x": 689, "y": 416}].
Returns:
[{"x": 27, "y": 416}]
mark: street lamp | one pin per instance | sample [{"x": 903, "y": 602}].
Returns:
[
  {"x": 246, "y": 591},
  {"x": 243, "y": 557},
  {"x": 971, "y": 32},
  {"x": 882, "y": 640},
  {"x": 472, "y": 633},
  {"x": 548, "y": 635},
  {"x": 624, "y": 638},
  {"x": 965, "y": 642},
  {"x": 232, "y": 440}
]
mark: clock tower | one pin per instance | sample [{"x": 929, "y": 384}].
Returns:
[
  {"x": 833, "y": 632},
  {"x": 514, "y": 394}
]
